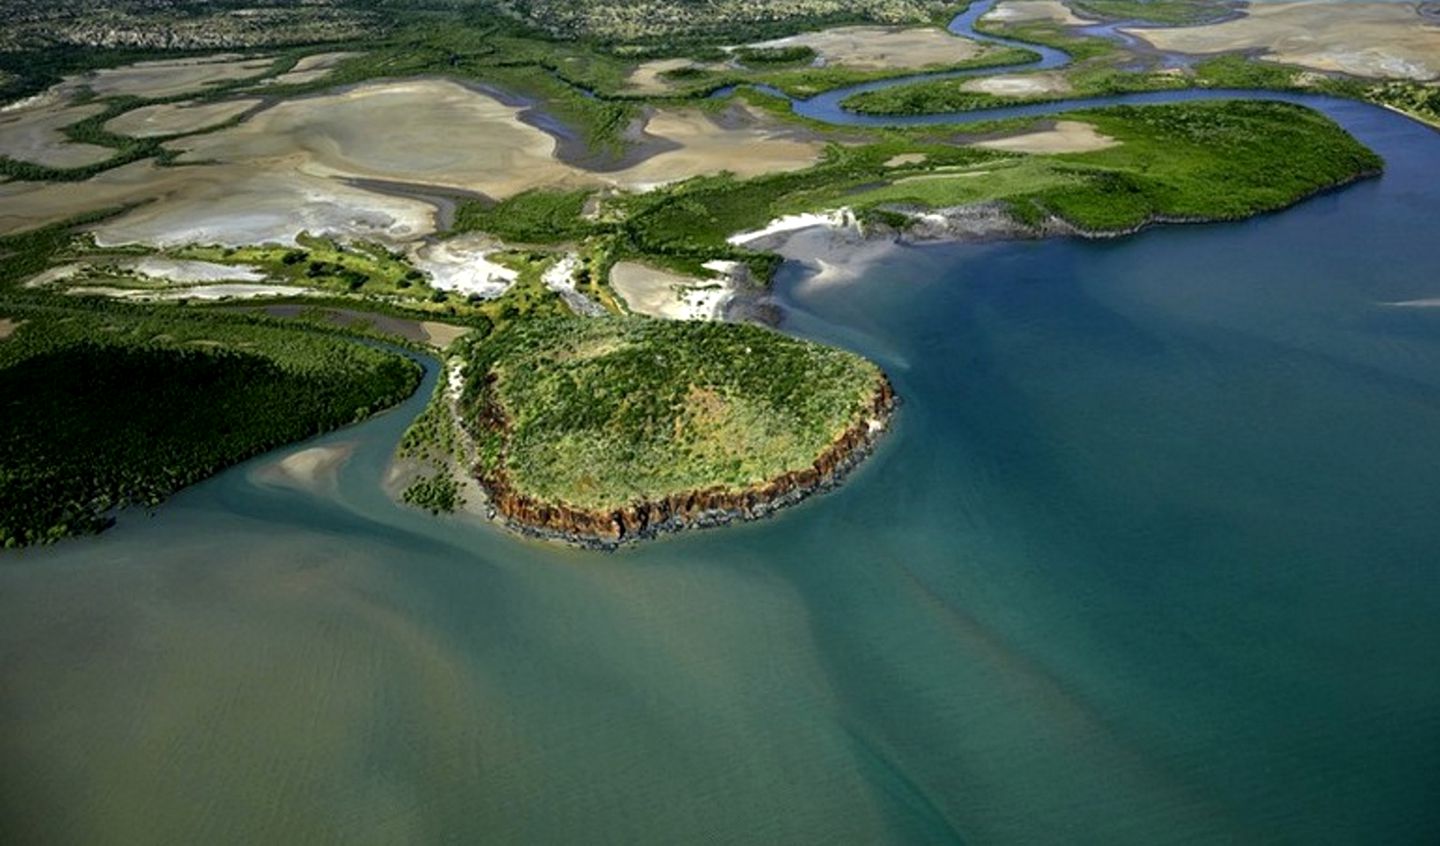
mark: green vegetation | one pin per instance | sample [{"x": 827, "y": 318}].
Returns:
[
  {"x": 1215, "y": 160},
  {"x": 1208, "y": 161},
  {"x": 432, "y": 436},
  {"x": 325, "y": 264},
  {"x": 796, "y": 54},
  {"x": 601, "y": 413},
  {"x": 438, "y": 493},
  {"x": 808, "y": 81},
  {"x": 123, "y": 407},
  {"x": 534, "y": 217},
  {"x": 1156, "y": 11},
  {"x": 1413, "y": 98}
]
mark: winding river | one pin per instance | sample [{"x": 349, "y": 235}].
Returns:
[{"x": 1151, "y": 557}]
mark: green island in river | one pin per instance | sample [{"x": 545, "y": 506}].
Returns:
[{"x": 151, "y": 334}]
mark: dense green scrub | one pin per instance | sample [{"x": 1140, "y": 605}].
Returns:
[
  {"x": 533, "y": 217},
  {"x": 604, "y": 412},
  {"x": 1213, "y": 160},
  {"x": 1196, "y": 161},
  {"x": 1098, "y": 79},
  {"x": 1209, "y": 161},
  {"x": 100, "y": 410}
]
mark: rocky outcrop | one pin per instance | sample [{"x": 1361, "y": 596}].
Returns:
[{"x": 692, "y": 509}]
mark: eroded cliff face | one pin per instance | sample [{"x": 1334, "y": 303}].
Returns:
[{"x": 708, "y": 507}]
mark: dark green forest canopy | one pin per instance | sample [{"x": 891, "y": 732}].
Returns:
[{"x": 98, "y": 413}]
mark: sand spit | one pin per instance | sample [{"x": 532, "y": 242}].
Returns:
[
  {"x": 1020, "y": 84},
  {"x": 1373, "y": 39},
  {"x": 31, "y": 131},
  {"x": 1032, "y": 11},
  {"x": 8, "y": 327},
  {"x": 882, "y": 48},
  {"x": 307, "y": 470},
  {"x": 462, "y": 265},
  {"x": 168, "y": 78},
  {"x": 177, "y": 118},
  {"x": 1066, "y": 136},
  {"x": 663, "y": 293},
  {"x": 839, "y": 219}
]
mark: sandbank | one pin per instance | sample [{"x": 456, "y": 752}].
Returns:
[
  {"x": 746, "y": 144},
  {"x": 1032, "y": 11},
  {"x": 425, "y": 131},
  {"x": 169, "y": 77},
  {"x": 231, "y": 205},
  {"x": 177, "y": 118},
  {"x": 306, "y": 469},
  {"x": 882, "y": 48},
  {"x": 1372, "y": 39},
  {"x": 1020, "y": 84}
]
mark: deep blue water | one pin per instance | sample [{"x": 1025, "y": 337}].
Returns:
[{"x": 1150, "y": 557}]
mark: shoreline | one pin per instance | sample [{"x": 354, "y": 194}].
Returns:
[
  {"x": 832, "y": 243},
  {"x": 608, "y": 530}
]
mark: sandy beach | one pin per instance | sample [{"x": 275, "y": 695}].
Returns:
[{"x": 673, "y": 296}]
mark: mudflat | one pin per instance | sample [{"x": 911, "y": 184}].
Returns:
[
  {"x": 177, "y": 118},
  {"x": 1364, "y": 39},
  {"x": 880, "y": 48}
]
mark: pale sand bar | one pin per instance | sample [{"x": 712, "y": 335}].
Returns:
[{"x": 177, "y": 118}]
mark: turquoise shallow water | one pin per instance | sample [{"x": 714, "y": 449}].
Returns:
[{"x": 1151, "y": 557}]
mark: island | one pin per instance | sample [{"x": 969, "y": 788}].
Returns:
[{"x": 614, "y": 429}]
